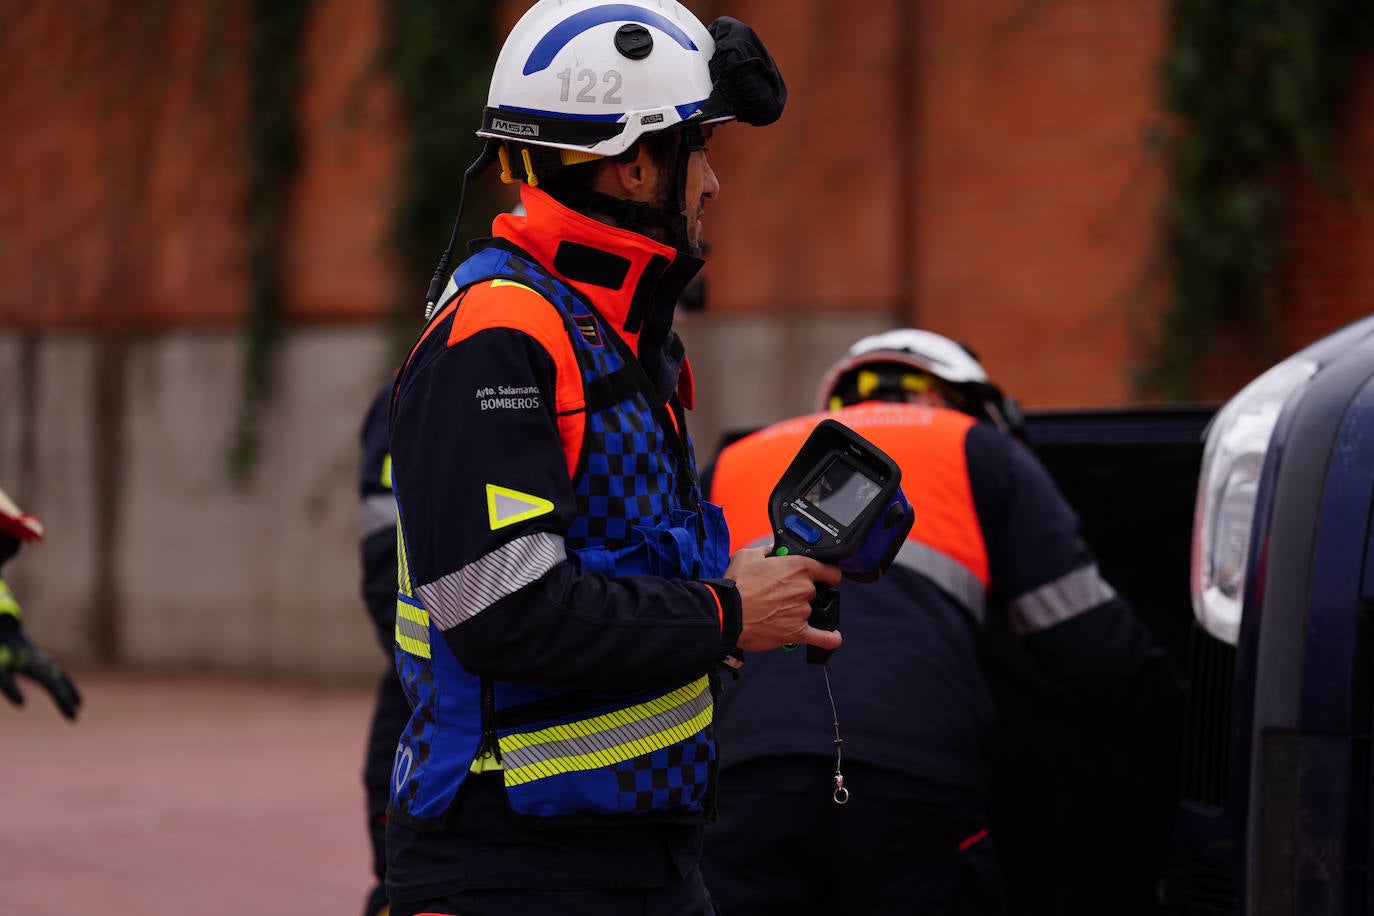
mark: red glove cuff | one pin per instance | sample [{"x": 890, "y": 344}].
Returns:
[{"x": 15, "y": 523}]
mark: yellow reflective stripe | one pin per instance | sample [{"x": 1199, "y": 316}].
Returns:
[
  {"x": 402, "y": 566},
  {"x": 411, "y": 647},
  {"x": 7, "y": 603},
  {"x": 486, "y": 762},
  {"x": 386, "y": 472},
  {"x": 412, "y": 622},
  {"x": 412, "y": 628},
  {"x": 502, "y": 282},
  {"x": 607, "y": 739}
]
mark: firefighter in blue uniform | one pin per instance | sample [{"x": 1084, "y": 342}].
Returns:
[
  {"x": 377, "y": 552},
  {"x": 567, "y": 599},
  {"x": 18, "y": 656},
  {"x": 993, "y": 542}
]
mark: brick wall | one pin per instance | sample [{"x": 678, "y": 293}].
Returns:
[
  {"x": 1329, "y": 278},
  {"x": 124, "y": 166},
  {"x": 983, "y": 169}
]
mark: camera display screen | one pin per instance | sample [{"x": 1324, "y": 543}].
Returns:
[{"x": 842, "y": 491}]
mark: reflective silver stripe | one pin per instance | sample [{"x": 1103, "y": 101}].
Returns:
[
  {"x": 949, "y": 574},
  {"x": 507, "y": 569},
  {"x": 953, "y": 578},
  {"x": 610, "y": 738},
  {"x": 1058, "y": 601},
  {"x": 378, "y": 514},
  {"x": 412, "y": 627}
]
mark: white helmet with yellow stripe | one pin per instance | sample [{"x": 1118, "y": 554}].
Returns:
[{"x": 890, "y": 365}]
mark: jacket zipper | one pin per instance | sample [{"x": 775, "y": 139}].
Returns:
[{"x": 490, "y": 743}]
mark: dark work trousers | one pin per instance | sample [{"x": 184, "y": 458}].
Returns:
[
  {"x": 685, "y": 897},
  {"x": 389, "y": 717},
  {"x": 782, "y": 845}
]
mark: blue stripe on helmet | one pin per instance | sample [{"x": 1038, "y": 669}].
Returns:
[
  {"x": 553, "y": 42},
  {"x": 683, "y": 111}
]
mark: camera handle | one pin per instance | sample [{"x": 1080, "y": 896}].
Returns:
[{"x": 825, "y": 615}]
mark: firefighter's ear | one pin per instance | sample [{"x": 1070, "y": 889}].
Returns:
[{"x": 634, "y": 179}]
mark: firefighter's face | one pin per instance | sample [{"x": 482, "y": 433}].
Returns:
[
  {"x": 701, "y": 187},
  {"x": 648, "y": 181}
]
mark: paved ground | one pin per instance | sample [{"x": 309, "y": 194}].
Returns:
[{"x": 180, "y": 795}]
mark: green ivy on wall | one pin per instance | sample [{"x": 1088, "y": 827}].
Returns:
[
  {"x": 1256, "y": 86},
  {"x": 275, "y": 31},
  {"x": 441, "y": 53}
]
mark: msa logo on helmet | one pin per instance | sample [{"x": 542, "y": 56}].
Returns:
[
  {"x": 652, "y": 119},
  {"x": 515, "y": 128}
]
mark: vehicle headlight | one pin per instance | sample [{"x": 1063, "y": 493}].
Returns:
[{"x": 1224, "y": 516}]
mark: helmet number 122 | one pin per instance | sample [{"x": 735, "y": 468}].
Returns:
[{"x": 588, "y": 80}]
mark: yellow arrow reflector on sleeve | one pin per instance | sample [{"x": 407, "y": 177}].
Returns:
[{"x": 507, "y": 507}]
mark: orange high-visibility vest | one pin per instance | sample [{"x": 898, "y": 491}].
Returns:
[{"x": 926, "y": 442}]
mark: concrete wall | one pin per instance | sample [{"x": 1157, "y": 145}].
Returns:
[
  {"x": 753, "y": 370},
  {"x": 152, "y": 553},
  {"x": 156, "y": 559}
]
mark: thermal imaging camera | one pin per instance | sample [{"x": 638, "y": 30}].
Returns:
[{"x": 841, "y": 502}]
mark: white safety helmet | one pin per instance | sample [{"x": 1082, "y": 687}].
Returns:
[
  {"x": 593, "y": 76},
  {"x": 965, "y": 381}
]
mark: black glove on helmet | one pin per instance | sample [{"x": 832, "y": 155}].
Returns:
[{"x": 744, "y": 74}]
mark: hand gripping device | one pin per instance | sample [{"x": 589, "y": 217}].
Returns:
[{"x": 841, "y": 502}]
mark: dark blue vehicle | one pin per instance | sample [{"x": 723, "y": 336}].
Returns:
[
  {"x": 1243, "y": 538},
  {"x": 1275, "y": 816}
]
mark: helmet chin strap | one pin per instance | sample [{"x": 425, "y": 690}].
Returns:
[
  {"x": 638, "y": 216},
  {"x": 690, "y": 139}
]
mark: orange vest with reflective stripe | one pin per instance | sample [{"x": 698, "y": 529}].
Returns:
[{"x": 926, "y": 442}]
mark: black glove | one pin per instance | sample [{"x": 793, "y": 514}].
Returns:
[
  {"x": 745, "y": 74},
  {"x": 19, "y": 656},
  {"x": 9, "y": 546}
]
